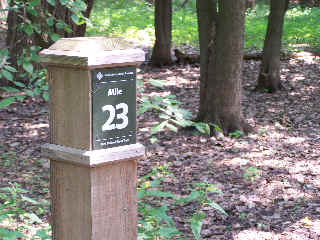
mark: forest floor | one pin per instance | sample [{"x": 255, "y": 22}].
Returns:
[{"x": 279, "y": 200}]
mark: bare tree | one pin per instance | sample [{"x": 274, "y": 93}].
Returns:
[
  {"x": 161, "y": 54},
  {"x": 269, "y": 76}
]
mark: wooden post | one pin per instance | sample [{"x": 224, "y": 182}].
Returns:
[{"x": 93, "y": 151}]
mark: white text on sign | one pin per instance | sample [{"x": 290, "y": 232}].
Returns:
[
  {"x": 115, "y": 92},
  {"x": 109, "y": 125}
]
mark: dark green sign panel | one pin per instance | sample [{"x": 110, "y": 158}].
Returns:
[{"x": 113, "y": 107}]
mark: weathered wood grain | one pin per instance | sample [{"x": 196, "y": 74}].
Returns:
[
  {"x": 91, "y": 53},
  {"x": 70, "y": 107},
  {"x": 71, "y": 201},
  {"x": 93, "y": 158},
  {"x": 114, "y": 210}
]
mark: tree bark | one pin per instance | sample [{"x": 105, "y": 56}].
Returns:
[
  {"x": 16, "y": 40},
  {"x": 250, "y": 3},
  {"x": 207, "y": 18},
  {"x": 60, "y": 12},
  {"x": 161, "y": 54},
  {"x": 269, "y": 76},
  {"x": 222, "y": 104}
]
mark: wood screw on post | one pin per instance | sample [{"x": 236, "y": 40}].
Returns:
[{"x": 93, "y": 151}]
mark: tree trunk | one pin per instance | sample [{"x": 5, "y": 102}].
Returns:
[
  {"x": 161, "y": 54},
  {"x": 250, "y": 4},
  {"x": 269, "y": 76},
  {"x": 224, "y": 70},
  {"x": 16, "y": 40},
  {"x": 60, "y": 12},
  {"x": 207, "y": 18}
]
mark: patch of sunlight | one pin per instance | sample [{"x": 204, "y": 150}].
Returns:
[
  {"x": 280, "y": 189},
  {"x": 141, "y": 37},
  {"x": 297, "y": 77},
  {"x": 295, "y": 12},
  {"x": 273, "y": 163},
  {"x": 273, "y": 110},
  {"x": 303, "y": 166},
  {"x": 315, "y": 226},
  {"x": 253, "y": 234},
  {"x": 237, "y": 161},
  {"x": 312, "y": 224},
  {"x": 308, "y": 88},
  {"x": 295, "y": 140},
  {"x": 308, "y": 57},
  {"x": 160, "y": 94},
  {"x": 260, "y": 153},
  {"x": 36, "y": 126},
  {"x": 146, "y": 129}
]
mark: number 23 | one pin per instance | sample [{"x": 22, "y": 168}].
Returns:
[{"x": 108, "y": 126}]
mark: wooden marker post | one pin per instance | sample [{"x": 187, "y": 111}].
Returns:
[{"x": 93, "y": 151}]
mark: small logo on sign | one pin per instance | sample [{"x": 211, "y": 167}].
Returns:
[{"x": 99, "y": 76}]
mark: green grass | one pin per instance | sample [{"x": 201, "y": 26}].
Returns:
[
  {"x": 302, "y": 26},
  {"x": 134, "y": 20}
]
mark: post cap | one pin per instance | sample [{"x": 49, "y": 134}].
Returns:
[{"x": 92, "y": 52}]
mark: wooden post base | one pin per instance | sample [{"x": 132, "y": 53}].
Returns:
[{"x": 94, "y": 192}]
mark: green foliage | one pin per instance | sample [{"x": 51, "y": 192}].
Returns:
[
  {"x": 30, "y": 12},
  {"x": 236, "y": 134},
  {"x": 154, "y": 206},
  {"x": 130, "y": 19},
  {"x": 252, "y": 173},
  {"x": 155, "y": 222},
  {"x": 185, "y": 27},
  {"x": 16, "y": 207},
  {"x": 36, "y": 87},
  {"x": 170, "y": 112},
  {"x": 301, "y": 27},
  {"x": 135, "y": 20}
]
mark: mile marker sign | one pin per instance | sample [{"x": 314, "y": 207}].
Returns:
[{"x": 113, "y": 107}]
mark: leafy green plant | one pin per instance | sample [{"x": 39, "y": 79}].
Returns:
[
  {"x": 199, "y": 193},
  {"x": 33, "y": 22},
  {"x": 155, "y": 223},
  {"x": 153, "y": 206},
  {"x": 15, "y": 208},
  {"x": 171, "y": 113},
  {"x": 36, "y": 87},
  {"x": 236, "y": 134},
  {"x": 251, "y": 173}
]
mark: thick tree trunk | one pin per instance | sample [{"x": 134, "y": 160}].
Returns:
[
  {"x": 161, "y": 54},
  {"x": 224, "y": 89},
  {"x": 269, "y": 76},
  {"x": 207, "y": 18}
]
